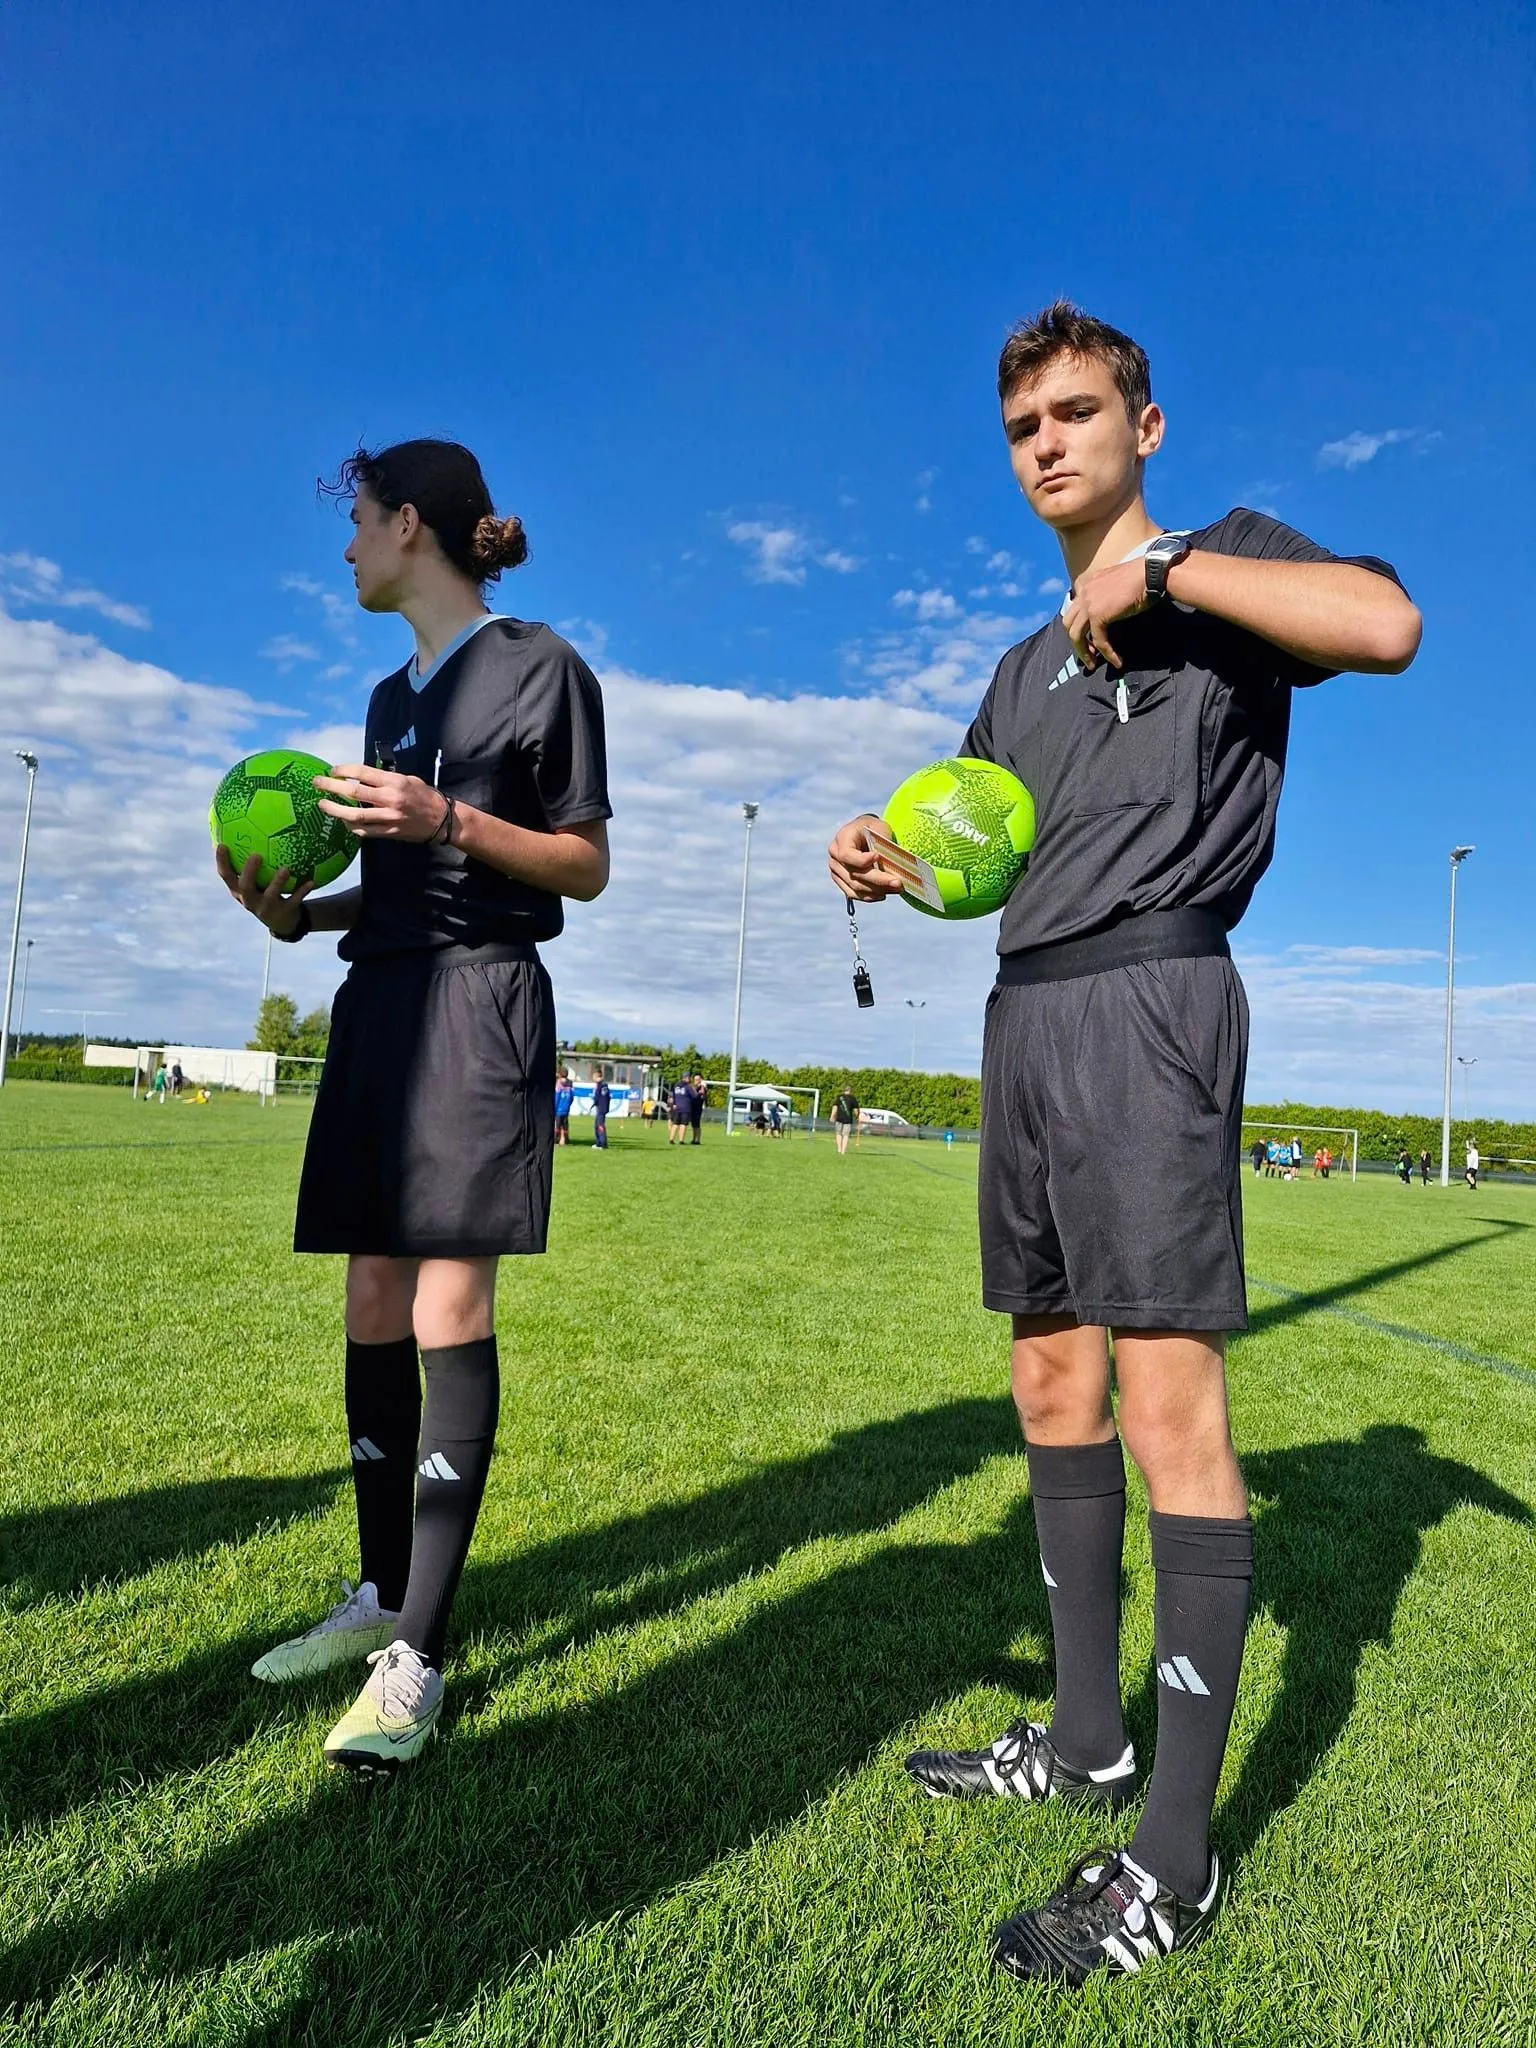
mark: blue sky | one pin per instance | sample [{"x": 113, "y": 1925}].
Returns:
[{"x": 718, "y": 303}]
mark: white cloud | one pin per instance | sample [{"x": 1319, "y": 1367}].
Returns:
[
  {"x": 975, "y": 545},
  {"x": 128, "y": 917},
  {"x": 1358, "y": 448},
  {"x": 1053, "y": 586},
  {"x": 781, "y": 553},
  {"x": 928, "y": 604},
  {"x": 34, "y": 580},
  {"x": 1000, "y": 564},
  {"x": 338, "y": 614},
  {"x": 944, "y": 657},
  {"x": 285, "y": 650},
  {"x": 924, "y": 480},
  {"x": 1331, "y": 1024},
  {"x": 778, "y": 552}
]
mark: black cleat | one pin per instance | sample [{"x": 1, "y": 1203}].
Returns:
[
  {"x": 1021, "y": 1764},
  {"x": 1110, "y": 1915}
]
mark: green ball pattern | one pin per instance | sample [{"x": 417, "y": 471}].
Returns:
[
  {"x": 974, "y": 823},
  {"x": 268, "y": 805}
]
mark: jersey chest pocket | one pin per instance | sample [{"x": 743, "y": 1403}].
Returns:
[
  {"x": 472, "y": 781},
  {"x": 1124, "y": 742}
]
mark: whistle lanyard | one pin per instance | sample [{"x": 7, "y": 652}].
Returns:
[{"x": 863, "y": 987}]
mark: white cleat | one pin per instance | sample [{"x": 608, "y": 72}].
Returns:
[
  {"x": 392, "y": 1719},
  {"x": 355, "y": 1627}
]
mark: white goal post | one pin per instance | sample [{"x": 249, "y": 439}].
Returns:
[
  {"x": 746, "y": 1089},
  {"x": 1347, "y": 1131}
]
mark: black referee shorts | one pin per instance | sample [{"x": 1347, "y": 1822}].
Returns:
[
  {"x": 1110, "y": 1119},
  {"x": 434, "y": 1120}
]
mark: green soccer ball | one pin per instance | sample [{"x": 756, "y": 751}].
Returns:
[
  {"x": 268, "y": 805},
  {"x": 974, "y": 824}
]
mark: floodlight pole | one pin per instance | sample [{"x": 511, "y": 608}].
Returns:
[
  {"x": 914, "y": 1007},
  {"x": 749, "y": 813},
  {"x": 29, "y": 761},
  {"x": 1458, "y": 855},
  {"x": 266, "y": 972},
  {"x": 21, "y": 1007}
]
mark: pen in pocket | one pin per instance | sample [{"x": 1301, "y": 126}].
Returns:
[{"x": 437, "y": 767}]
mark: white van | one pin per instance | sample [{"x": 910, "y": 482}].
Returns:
[{"x": 883, "y": 1120}]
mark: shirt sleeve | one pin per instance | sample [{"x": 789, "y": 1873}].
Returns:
[
  {"x": 1259, "y": 538},
  {"x": 977, "y": 744},
  {"x": 561, "y": 735}
]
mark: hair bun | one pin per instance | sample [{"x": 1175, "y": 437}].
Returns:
[{"x": 499, "y": 544}]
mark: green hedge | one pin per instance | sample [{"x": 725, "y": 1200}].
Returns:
[{"x": 51, "y": 1070}]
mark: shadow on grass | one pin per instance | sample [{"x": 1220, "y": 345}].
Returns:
[
  {"x": 503, "y": 1843},
  {"x": 55, "y": 1552},
  {"x": 617, "y": 1574},
  {"x": 1275, "y": 1315},
  {"x": 1339, "y": 1533}
]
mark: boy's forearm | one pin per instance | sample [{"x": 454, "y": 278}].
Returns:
[
  {"x": 334, "y": 913},
  {"x": 1330, "y": 613}
]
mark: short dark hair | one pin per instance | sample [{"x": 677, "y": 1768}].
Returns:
[
  {"x": 446, "y": 485},
  {"x": 1063, "y": 329}
]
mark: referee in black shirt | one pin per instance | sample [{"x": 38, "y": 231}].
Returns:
[
  {"x": 1149, "y": 720},
  {"x": 481, "y": 801}
]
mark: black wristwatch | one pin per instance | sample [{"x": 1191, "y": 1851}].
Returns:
[
  {"x": 301, "y": 930},
  {"x": 1165, "y": 553}
]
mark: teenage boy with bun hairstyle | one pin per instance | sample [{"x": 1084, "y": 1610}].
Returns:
[
  {"x": 1149, "y": 720},
  {"x": 481, "y": 802}
]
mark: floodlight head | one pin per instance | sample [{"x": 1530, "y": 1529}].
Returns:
[
  {"x": 750, "y": 811},
  {"x": 1459, "y": 854},
  {"x": 29, "y": 761}
]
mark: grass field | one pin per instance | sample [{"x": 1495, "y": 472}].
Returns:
[{"x": 757, "y": 1525}]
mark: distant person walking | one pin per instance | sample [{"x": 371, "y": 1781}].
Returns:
[
  {"x": 1424, "y": 1167},
  {"x": 1474, "y": 1161},
  {"x": 565, "y": 1095},
  {"x": 602, "y": 1102},
  {"x": 1257, "y": 1153},
  {"x": 681, "y": 1114},
  {"x": 698, "y": 1087},
  {"x": 845, "y": 1114},
  {"x": 177, "y": 1077},
  {"x": 1404, "y": 1166}
]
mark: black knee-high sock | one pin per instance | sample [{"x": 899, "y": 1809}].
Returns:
[
  {"x": 383, "y": 1395},
  {"x": 458, "y": 1429},
  {"x": 1204, "y": 1573},
  {"x": 1079, "y": 1496}
]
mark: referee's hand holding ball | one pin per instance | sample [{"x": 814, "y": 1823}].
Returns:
[
  {"x": 279, "y": 909},
  {"x": 857, "y": 871}
]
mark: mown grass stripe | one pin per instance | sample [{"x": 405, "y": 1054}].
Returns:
[{"x": 1445, "y": 1345}]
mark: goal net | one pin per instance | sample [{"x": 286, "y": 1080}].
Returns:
[{"x": 1341, "y": 1141}]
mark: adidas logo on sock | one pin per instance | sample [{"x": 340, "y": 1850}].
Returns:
[
  {"x": 1182, "y": 1676},
  {"x": 438, "y": 1467},
  {"x": 365, "y": 1450},
  {"x": 1045, "y": 1573}
]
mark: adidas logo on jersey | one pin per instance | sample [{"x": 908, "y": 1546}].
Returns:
[
  {"x": 1069, "y": 668},
  {"x": 438, "y": 1467},
  {"x": 404, "y": 744},
  {"x": 1181, "y": 1676},
  {"x": 365, "y": 1450}
]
